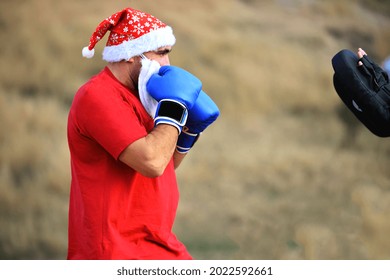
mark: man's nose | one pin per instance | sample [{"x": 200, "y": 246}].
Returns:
[{"x": 165, "y": 61}]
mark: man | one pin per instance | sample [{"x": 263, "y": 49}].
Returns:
[
  {"x": 360, "y": 53},
  {"x": 124, "y": 192}
]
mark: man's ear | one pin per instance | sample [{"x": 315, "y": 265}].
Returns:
[{"x": 135, "y": 59}]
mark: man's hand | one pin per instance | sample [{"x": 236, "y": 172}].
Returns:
[
  {"x": 360, "y": 54},
  {"x": 176, "y": 91},
  {"x": 200, "y": 116}
]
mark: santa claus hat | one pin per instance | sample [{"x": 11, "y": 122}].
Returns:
[{"x": 132, "y": 33}]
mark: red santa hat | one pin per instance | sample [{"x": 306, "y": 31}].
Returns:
[{"x": 132, "y": 33}]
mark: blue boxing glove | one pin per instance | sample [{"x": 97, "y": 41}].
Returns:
[
  {"x": 176, "y": 91},
  {"x": 202, "y": 114}
]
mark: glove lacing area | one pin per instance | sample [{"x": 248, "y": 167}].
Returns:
[
  {"x": 379, "y": 82},
  {"x": 378, "y": 78}
]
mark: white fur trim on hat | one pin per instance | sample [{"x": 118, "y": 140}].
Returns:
[{"x": 149, "y": 42}]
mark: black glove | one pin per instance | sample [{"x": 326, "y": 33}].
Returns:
[{"x": 365, "y": 90}]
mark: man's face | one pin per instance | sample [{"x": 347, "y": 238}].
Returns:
[{"x": 160, "y": 55}]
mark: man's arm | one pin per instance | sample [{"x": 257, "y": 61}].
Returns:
[
  {"x": 178, "y": 158},
  {"x": 176, "y": 91},
  {"x": 150, "y": 155}
]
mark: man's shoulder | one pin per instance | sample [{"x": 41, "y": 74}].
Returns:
[{"x": 97, "y": 87}]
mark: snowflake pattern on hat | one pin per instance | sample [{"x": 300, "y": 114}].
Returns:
[{"x": 132, "y": 33}]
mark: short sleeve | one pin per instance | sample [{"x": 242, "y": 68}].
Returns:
[{"x": 108, "y": 117}]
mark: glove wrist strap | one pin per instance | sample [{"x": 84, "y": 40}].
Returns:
[
  {"x": 186, "y": 141},
  {"x": 171, "y": 112}
]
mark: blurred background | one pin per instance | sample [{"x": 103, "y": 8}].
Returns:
[{"x": 286, "y": 172}]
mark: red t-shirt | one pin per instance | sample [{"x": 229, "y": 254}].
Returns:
[{"x": 114, "y": 211}]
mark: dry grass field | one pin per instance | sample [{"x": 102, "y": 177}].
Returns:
[{"x": 286, "y": 172}]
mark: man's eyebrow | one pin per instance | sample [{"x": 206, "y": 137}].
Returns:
[{"x": 164, "y": 51}]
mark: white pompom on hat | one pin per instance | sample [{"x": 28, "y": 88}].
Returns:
[{"x": 132, "y": 33}]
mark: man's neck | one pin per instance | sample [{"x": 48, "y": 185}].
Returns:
[{"x": 121, "y": 71}]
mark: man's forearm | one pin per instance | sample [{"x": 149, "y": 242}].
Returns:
[{"x": 178, "y": 158}]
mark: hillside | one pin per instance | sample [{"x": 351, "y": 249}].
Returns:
[{"x": 285, "y": 173}]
